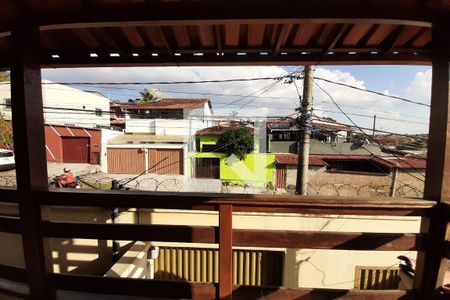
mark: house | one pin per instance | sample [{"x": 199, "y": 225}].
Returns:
[
  {"x": 174, "y": 116},
  {"x": 65, "y": 105},
  {"x": 74, "y": 122},
  {"x": 177, "y": 39},
  {"x": 71, "y": 144},
  {"x": 360, "y": 173},
  {"x": 256, "y": 169},
  {"x": 157, "y": 136},
  {"x": 283, "y": 133}
]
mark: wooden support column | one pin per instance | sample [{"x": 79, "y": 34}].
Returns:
[
  {"x": 225, "y": 252},
  {"x": 430, "y": 264},
  {"x": 29, "y": 147}
]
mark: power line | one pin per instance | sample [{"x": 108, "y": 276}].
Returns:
[
  {"x": 160, "y": 82},
  {"x": 372, "y": 91},
  {"x": 371, "y": 116},
  {"x": 332, "y": 99}
]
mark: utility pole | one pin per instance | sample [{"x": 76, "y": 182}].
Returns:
[
  {"x": 374, "y": 124},
  {"x": 305, "y": 132},
  {"x": 393, "y": 187}
]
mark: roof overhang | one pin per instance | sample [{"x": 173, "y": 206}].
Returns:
[{"x": 206, "y": 32}]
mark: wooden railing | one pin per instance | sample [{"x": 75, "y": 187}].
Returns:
[{"x": 224, "y": 235}]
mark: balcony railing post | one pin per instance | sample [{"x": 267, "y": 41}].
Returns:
[
  {"x": 430, "y": 264},
  {"x": 225, "y": 251},
  {"x": 29, "y": 147}
]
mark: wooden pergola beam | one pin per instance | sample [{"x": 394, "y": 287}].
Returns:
[
  {"x": 432, "y": 264},
  {"x": 417, "y": 12},
  {"x": 31, "y": 163}
]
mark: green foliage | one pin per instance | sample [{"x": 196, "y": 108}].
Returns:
[
  {"x": 148, "y": 96},
  {"x": 237, "y": 141},
  {"x": 4, "y": 76},
  {"x": 6, "y": 137}
]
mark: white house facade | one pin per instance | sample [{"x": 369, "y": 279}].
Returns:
[{"x": 65, "y": 105}]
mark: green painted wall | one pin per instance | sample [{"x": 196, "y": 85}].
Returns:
[
  {"x": 206, "y": 140},
  {"x": 256, "y": 169},
  {"x": 212, "y": 140}
]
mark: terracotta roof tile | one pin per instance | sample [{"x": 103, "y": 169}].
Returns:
[
  {"x": 169, "y": 103},
  {"x": 291, "y": 159}
]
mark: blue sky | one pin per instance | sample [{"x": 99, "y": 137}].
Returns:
[{"x": 380, "y": 78}]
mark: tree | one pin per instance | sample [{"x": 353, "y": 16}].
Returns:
[
  {"x": 237, "y": 141},
  {"x": 4, "y": 76},
  {"x": 149, "y": 96},
  {"x": 6, "y": 138}
]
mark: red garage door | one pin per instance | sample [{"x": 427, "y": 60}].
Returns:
[{"x": 75, "y": 149}]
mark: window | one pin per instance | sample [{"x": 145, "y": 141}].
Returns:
[
  {"x": 7, "y": 103},
  {"x": 209, "y": 147},
  {"x": 6, "y": 154},
  {"x": 356, "y": 166},
  {"x": 98, "y": 112}
]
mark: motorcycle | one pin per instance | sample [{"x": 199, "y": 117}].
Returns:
[{"x": 60, "y": 182}]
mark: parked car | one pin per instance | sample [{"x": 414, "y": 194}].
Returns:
[{"x": 7, "y": 161}]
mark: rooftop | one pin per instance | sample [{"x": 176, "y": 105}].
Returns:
[
  {"x": 169, "y": 103},
  {"x": 127, "y": 139}
]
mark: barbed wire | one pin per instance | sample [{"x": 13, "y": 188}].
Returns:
[{"x": 93, "y": 181}]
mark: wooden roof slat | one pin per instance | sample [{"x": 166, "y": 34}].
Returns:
[
  {"x": 282, "y": 36},
  {"x": 48, "y": 42},
  {"x": 380, "y": 34},
  {"x": 86, "y": 37},
  {"x": 304, "y": 34},
  {"x": 232, "y": 35},
  {"x": 181, "y": 35},
  {"x": 338, "y": 35},
  {"x": 325, "y": 34},
  {"x": 218, "y": 37},
  {"x": 423, "y": 38},
  {"x": 133, "y": 36},
  {"x": 255, "y": 34},
  {"x": 155, "y": 35},
  {"x": 356, "y": 34},
  {"x": 406, "y": 35},
  {"x": 206, "y": 35},
  {"x": 106, "y": 39}
]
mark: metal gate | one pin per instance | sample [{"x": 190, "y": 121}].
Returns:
[
  {"x": 281, "y": 177},
  {"x": 165, "y": 161},
  {"x": 207, "y": 168},
  {"x": 75, "y": 149},
  {"x": 250, "y": 267},
  {"x": 126, "y": 160}
]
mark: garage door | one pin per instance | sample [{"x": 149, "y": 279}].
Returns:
[
  {"x": 166, "y": 161},
  {"x": 75, "y": 149},
  {"x": 126, "y": 161},
  {"x": 281, "y": 177}
]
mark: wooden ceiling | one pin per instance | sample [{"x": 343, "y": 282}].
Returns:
[{"x": 206, "y": 32}]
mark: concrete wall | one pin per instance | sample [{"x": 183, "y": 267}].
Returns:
[
  {"x": 324, "y": 183},
  {"x": 184, "y": 127},
  {"x": 304, "y": 267},
  {"x": 282, "y": 147},
  {"x": 77, "y": 256},
  {"x": 106, "y": 135}
]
